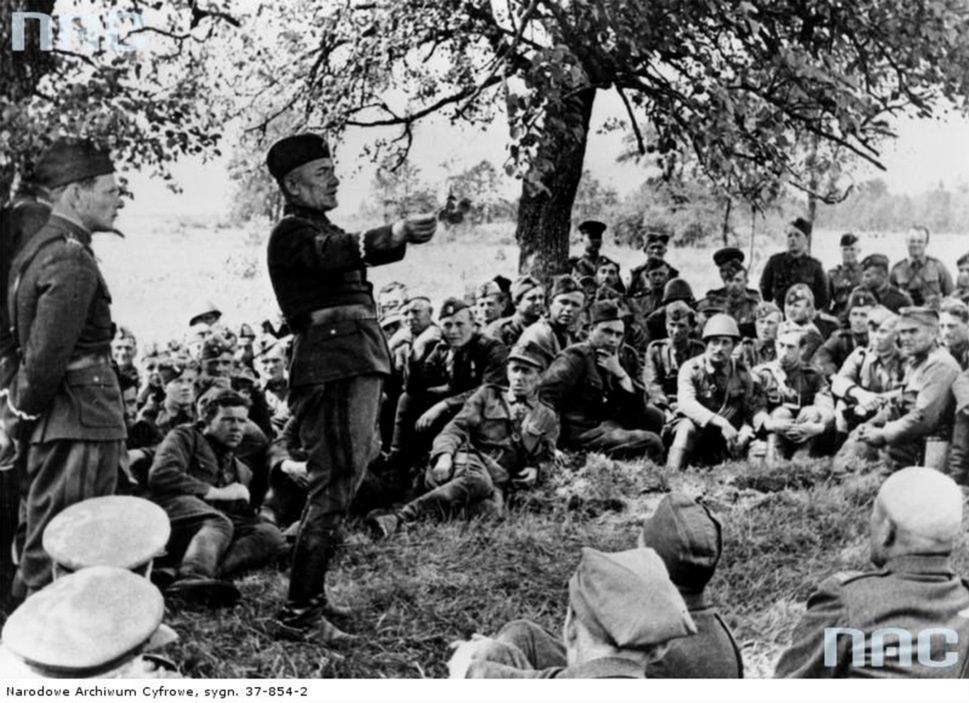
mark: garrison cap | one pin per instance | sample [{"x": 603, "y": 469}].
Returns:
[
  {"x": 605, "y": 311},
  {"x": 963, "y": 260},
  {"x": 487, "y": 288},
  {"x": 593, "y": 228},
  {"x": 848, "y": 239},
  {"x": 122, "y": 531},
  {"x": 677, "y": 289},
  {"x": 678, "y": 310},
  {"x": 564, "y": 285},
  {"x": 802, "y": 225},
  {"x": 171, "y": 368},
  {"x": 68, "y": 160},
  {"x": 294, "y": 151},
  {"x": 879, "y": 315},
  {"x": 861, "y": 298},
  {"x": 246, "y": 331},
  {"x": 722, "y": 256},
  {"x": 86, "y": 623},
  {"x": 875, "y": 261},
  {"x": 522, "y": 285},
  {"x": 927, "y": 317},
  {"x": 687, "y": 537},
  {"x": 798, "y": 292},
  {"x": 452, "y": 306},
  {"x": 765, "y": 309},
  {"x": 627, "y": 599},
  {"x": 214, "y": 347},
  {"x": 529, "y": 353},
  {"x": 652, "y": 237},
  {"x": 504, "y": 283}
]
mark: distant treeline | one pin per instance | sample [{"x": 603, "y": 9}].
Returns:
[{"x": 871, "y": 207}]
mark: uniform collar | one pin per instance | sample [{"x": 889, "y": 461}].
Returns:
[
  {"x": 305, "y": 212},
  {"x": 512, "y": 400},
  {"x": 82, "y": 233}
]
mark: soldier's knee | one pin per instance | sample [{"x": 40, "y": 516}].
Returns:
[{"x": 781, "y": 414}]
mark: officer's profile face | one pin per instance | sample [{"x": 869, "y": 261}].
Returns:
[
  {"x": 766, "y": 326},
  {"x": 226, "y": 427},
  {"x": 458, "y": 328},
  {"x": 96, "y": 203},
  {"x": 565, "y": 308},
  {"x": 858, "y": 319},
  {"x": 798, "y": 310},
  {"x": 607, "y": 335},
  {"x": 314, "y": 184},
  {"x": 873, "y": 277},
  {"x": 719, "y": 349},
  {"x": 532, "y": 304},
  {"x": 522, "y": 378},
  {"x": 417, "y": 316},
  {"x": 796, "y": 241},
  {"x": 916, "y": 241},
  {"x": 678, "y": 330},
  {"x": 882, "y": 337},
  {"x": 849, "y": 254},
  {"x": 914, "y": 338},
  {"x": 953, "y": 332},
  {"x": 607, "y": 274}
]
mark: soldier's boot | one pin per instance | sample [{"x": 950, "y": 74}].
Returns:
[
  {"x": 676, "y": 459},
  {"x": 382, "y": 526},
  {"x": 308, "y": 623}
]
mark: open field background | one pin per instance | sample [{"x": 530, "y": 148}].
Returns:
[{"x": 420, "y": 590}]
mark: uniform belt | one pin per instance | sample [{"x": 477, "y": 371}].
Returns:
[
  {"x": 341, "y": 313},
  {"x": 87, "y": 361}
]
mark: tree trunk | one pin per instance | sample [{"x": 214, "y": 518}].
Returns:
[
  {"x": 725, "y": 227},
  {"x": 544, "y": 216},
  {"x": 813, "y": 181},
  {"x": 20, "y": 71}
]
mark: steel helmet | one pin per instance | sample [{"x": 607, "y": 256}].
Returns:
[{"x": 721, "y": 325}]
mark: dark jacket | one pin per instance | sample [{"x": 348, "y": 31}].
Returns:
[
  {"x": 731, "y": 392},
  {"x": 314, "y": 265},
  {"x": 913, "y": 593},
  {"x": 452, "y": 377},
  {"x": 783, "y": 271},
  {"x": 889, "y": 296},
  {"x": 712, "y": 653},
  {"x": 662, "y": 367},
  {"x": 835, "y": 351}
]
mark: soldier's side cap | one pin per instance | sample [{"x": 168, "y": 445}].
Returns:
[
  {"x": 86, "y": 623},
  {"x": 122, "y": 531},
  {"x": 963, "y": 260},
  {"x": 687, "y": 537},
  {"x": 678, "y": 310},
  {"x": 798, "y": 292},
  {"x": 721, "y": 325},
  {"x": 879, "y": 315},
  {"x": 722, "y": 256},
  {"x": 875, "y": 261},
  {"x": 927, "y": 317},
  {"x": 529, "y": 353},
  {"x": 452, "y": 306},
  {"x": 605, "y": 311},
  {"x": 522, "y": 285},
  {"x": 677, "y": 289},
  {"x": 68, "y": 160},
  {"x": 294, "y": 151},
  {"x": 593, "y": 228},
  {"x": 566, "y": 285},
  {"x": 487, "y": 288},
  {"x": 627, "y": 599},
  {"x": 848, "y": 239},
  {"x": 766, "y": 309},
  {"x": 652, "y": 237},
  {"x": 861, "y": 298}
]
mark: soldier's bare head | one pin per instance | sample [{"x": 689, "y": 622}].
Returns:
[
  {"x": 954, "y": 324},
  {"x": 790, "y": 340},
  {"x": 917, "y": 240},
  {"x": 917, "y": 511}
]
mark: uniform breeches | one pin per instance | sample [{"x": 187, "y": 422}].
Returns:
[
  {"x": 201, "y": 534},
  {"x": 337, "y": 427},
  {"x": 470, "y": 484},
  {"x": 59, "y": 474},
  {"x": 614, "y": 440},
  {"x": 700, "y": 444}
]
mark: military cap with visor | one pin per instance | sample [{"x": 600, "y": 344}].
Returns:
[
  {"x": 593, "y": 228},
  {"x": 529, "y": 353},
  {"x": 927, "y": 317},
  {"x": 848, "y": 239},
  {"x": 451, "y": 307},
  {"x": 722, "y": 256}
]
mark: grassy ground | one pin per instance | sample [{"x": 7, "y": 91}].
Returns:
[{"x": 435, "y": 583}]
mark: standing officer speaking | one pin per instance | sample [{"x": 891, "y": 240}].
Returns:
[{"x": 340, "y": 357}]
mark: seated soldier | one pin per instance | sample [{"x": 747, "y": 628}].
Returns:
[
  {"x": 799, "y": 309},
  {"x": 124, "y": 349},
  {"x": 961, "y": 291},
  {"x": 178, "y": 377},
  {"x": 151, "y": 392},
  {"x": 645, "y": 299},
  {"x": 954, "y": 330},
  {"x": 556, "y": 330},
  {"x": 655, "y": 245},
  {"x": 717, "y": 400},
  {"x": 390, "y": 301},
  {"x": 798, "y": 405},
  {"x": 205, "y": 489},
  {"x": 915, "y": 525},
  {"x": 607, "y": 274},
  {"x": 676, "y": 290},
  {"x": 488, "y": 304},
  {"x": 832, "y": 354},
  {"x": 753, "y": 352},
  {"x": 270, "y": 364},
  {"x": 871, "y": 375},
  {"x": 585, "y": 265},
  {"x": 437, "y": 388},
  {"x": 219, "y": 370},
  {"x": 501, "y": 439},
  {"x": 601, "y": 403},
  {"x": 735, "y": 298},
  {"x": 664, "y": 357},
  {"x": 528, "y": 296},
  {"x": 923, "y": 405},
  {"x": 958, "y": 461},
  {"x": 623, "y": 611},
  {"x": 688, "y": 538},
  {"x": 874, "y": 279}
]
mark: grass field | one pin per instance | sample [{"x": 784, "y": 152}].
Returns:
[{"x": 416, "y": 592}]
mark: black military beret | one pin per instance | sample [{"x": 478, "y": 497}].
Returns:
[
  {"x": 292, "y": 152},
  {"x": 69, "y": 160},
  {"x": 605, "y": 311},
  {"x": 848, "y": 239},
  {"x": 722, "y": 256},
  {"x": 565, "y": 285},
  {"x": 861, "y": 298},
  {"x": 657, "y": 237},
  {"x": 799, "y": 223},
  {"x": 962, "y": 260},
  {"x": 593, "y": 228},
  {"x": 876, "y": 261},
  {"x": 452, "y": 306}
]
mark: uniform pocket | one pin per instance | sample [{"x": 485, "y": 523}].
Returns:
[{"x": 96, "y": 395}]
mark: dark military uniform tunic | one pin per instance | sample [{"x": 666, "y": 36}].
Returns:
[
  {"x": 913, "y": 593},
  {"x": 792, "y": 388},
  {"x": 662, "y": 367},
  {"x": 507, "y": 330},
  {"x": 783, "y": 271},
  {"x": 842, "y": 280},
  {"x": 832, "y": 354},
  {"x": 60, "y": 309},
  {"x": 922, "y": 280}
]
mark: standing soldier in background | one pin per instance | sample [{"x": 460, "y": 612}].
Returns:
[
  {"x": 340, "y": 357},
  {"x": 588, "y": 263},
  {"x": 924, "y": 278},
  {"x": 961, "y": 290},
  {"x": 65, "y": 393},
  {"x": 794, "y": 266},
  {"x": 844, "y": 277}
]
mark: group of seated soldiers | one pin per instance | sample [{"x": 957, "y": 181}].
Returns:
[{"x": 486, "y": 392}]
